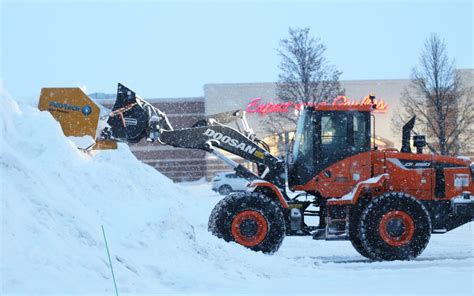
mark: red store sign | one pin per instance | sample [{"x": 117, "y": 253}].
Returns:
[{"x": 255, "y": 105}]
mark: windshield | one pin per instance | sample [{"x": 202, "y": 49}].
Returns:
[{"x": 304, "y": 139}]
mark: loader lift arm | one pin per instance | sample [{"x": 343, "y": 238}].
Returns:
[
  {"x": 133, "y": 119},
  {"x": 209, "y": 137}
]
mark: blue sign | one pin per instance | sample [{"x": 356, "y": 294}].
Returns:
[{"x": 64, "y": 106}]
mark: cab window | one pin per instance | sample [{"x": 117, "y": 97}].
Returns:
[
  {"x": 361, "y": 134},
  {"x": 334, "y": 129}
]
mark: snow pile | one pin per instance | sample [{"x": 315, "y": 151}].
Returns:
[{"x": 55, "y": 199}]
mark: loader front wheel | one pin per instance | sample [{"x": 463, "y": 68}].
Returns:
[
  {"x": 354, "y": 224},
  {"x": 250, "y": 219},
  {"x": 395, "y": 226}
]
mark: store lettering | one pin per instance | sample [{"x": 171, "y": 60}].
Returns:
[{"x": 255, "y": 105}]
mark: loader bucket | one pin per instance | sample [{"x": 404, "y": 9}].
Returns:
[
  {"x": 128, "y": 119},
  {"x": 77, "y": 114},
  {"x": 131, "y": 119},
  {"x": 104, "y": 145}
]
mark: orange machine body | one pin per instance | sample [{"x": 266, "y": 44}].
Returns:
[{"x": 424, "y": 176}]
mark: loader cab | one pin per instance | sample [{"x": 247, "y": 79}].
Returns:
[{"x": 325, "y": 135}]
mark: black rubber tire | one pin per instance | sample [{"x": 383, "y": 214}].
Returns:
[
  {"x": 354, "y": 222},
  {"x": 220, "y": 220},
  {"x": 370, "y": 220},
  {"x": 225, "y": 189}
]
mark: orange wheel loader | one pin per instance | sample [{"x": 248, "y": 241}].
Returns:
[{"x": 387, "y": 203}]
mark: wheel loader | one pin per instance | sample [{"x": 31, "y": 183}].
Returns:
[{"x": 387, "y": 203}]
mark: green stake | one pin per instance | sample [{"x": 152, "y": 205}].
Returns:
[{"x": 110, "y": 261}]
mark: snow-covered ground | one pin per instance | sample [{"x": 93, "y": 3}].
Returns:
[{"x": 55, "y": 198}]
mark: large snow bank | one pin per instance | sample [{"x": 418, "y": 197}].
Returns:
[{"x": 54, "y": 199}]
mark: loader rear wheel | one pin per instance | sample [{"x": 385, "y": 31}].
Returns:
[
  {"x": 395, "y": 226},
  {"x": 250, "y": 219}
]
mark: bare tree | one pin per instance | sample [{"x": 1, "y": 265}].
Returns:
[
  {"x": 305, "y": 74},
  {"x": 442, "y": 104},
  {"x": 306, "y": 77}
]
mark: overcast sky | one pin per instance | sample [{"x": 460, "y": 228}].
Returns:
[{"x": 171, "y": 49}]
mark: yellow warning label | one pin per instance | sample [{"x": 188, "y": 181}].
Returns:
[{"x": 259, "y": 154}]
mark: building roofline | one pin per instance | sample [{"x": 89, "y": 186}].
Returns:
[
  {"x": 349, "y": 81},
  {"x": 174, "y": 100},
  {"x": 160, "y": 100},
  {"x": 365, "y": 81}
]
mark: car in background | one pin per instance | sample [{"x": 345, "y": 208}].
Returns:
[{"x": 228, "y": 182}]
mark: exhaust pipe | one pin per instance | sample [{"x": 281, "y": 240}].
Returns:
[{"x": 406, "y": 135}]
